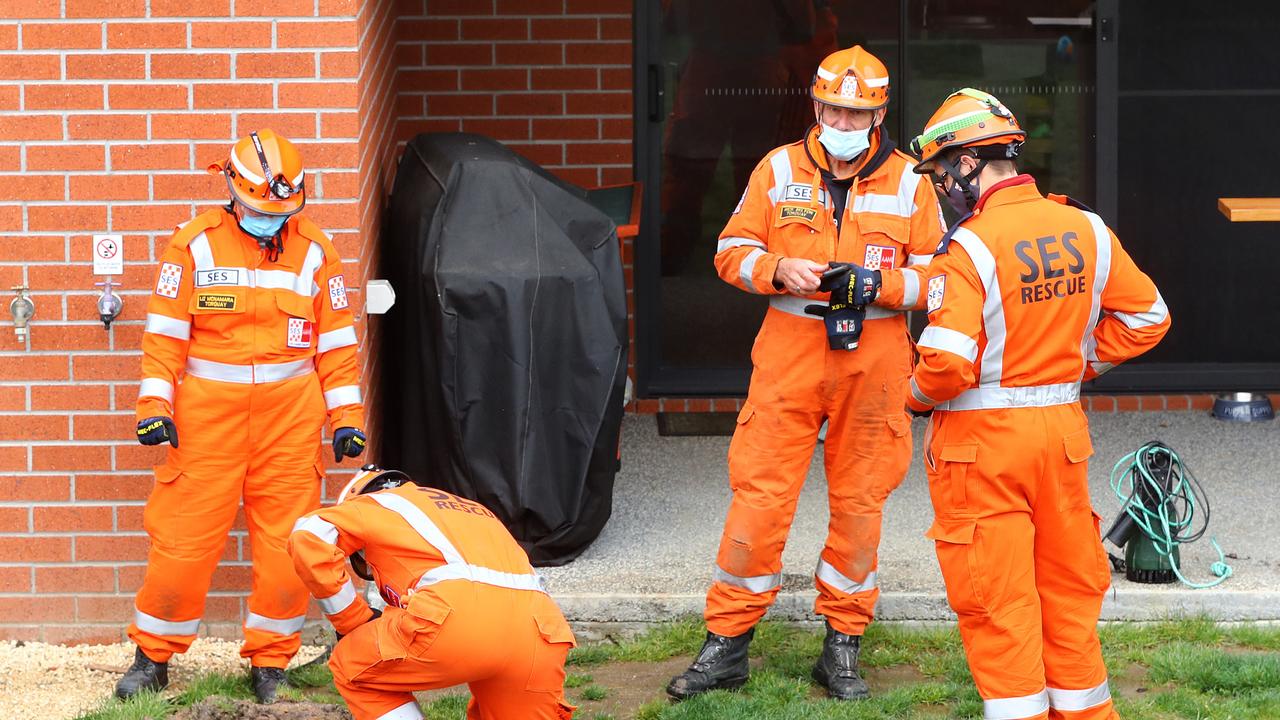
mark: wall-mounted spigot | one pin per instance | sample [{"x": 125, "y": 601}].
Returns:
[
  {"x": 109, "y": 304},
  {"x": 22, "y": 308}
]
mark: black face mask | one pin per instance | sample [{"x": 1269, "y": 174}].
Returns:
[{"x": 964, "y": 191}]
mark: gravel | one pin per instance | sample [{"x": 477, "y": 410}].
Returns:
[{"x": 54, "y": 682}]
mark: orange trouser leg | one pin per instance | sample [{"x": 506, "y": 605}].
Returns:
[
  {"x": 1072, "y": 576},
  {"x": 283, "y": 483},
  {"x": 867, "y": 451},
  {"x": 769, "y": 457},
  {"x": 483, "y": 636},
  {"x": 986, "y": 465}
]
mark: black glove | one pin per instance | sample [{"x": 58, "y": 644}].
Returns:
[
  {"x": 851, "y": 287},
  {"x": 919, "y": 413},
  {"x": 347, "y": 441},
  {"x": 157, "y": 430},
  {"x": 376, "y": 614},
  {"x": 864, "y": 283}
]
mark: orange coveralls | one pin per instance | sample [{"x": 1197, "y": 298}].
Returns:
[
  {"x": 1013, "y": 329},
  {"x": 246, "y": 355},
  {"x": 891, "y": 223},
  {"x": 464, "y": 606}
]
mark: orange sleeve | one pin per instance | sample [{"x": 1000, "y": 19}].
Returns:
[
  {"x": 320, "y": 543},
  {"x": 903, "y": 288},
  {"x": 948, "y": 347},
  {"x": 1135, "y": 317},
  {"x": 742, "y": 255},
  {"x": 168, "y": 330},
  {"x": 337, "y": 342}
]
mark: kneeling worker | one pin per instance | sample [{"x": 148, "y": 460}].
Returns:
[{"x": 463, "y": 603}]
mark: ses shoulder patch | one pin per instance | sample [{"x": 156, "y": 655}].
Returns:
[
  {"x": 879, "y": 257},
  {"x": 937, "y": 288},
  {"x": 337, "y": 292},
  {"x": 170, "y": 279}
]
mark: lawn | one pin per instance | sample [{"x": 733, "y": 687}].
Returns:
[{"x": 1175, "y": 669}]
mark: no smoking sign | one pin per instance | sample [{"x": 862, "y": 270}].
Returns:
[{"x": 108, "y": 255}]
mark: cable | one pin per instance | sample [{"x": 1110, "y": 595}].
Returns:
[{"x": 1155, "y": 475}]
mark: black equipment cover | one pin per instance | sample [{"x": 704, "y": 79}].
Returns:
[{"x": 503, "y": 362}]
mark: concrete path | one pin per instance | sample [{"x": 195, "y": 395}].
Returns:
[{"x": 654, "y": 559}]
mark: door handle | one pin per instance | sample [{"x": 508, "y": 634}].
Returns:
[{"x": 657, "y": 93}]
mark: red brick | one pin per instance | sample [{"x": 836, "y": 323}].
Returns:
[
  {"x": 14, "y": 398},
  {"x": 339, "y": 184},
  {"x": 446, "y": 105},
  {"x": 27, "y": 127},
  {"x": 105, "y": 634},
  {"x": 30, "y": 9},
  {"x": 152, "y": 96},
  {"x": 182, "y": 126},
  {"x": 35, "y": 187},
  {"x": 646, "y": 406},
  {"x": 188, "y": 186},
  {"x": 103, "y": 427},
  {"x": 543, "y": 154},
  {"x": 69, "y": 397},
  {"x": 105, "y": 8},
  {"x": 317, "y": 95},
  {"x": 322, "y": 34},
  {"x": 429, "y": 80},
  {"x": 46, "y": 548},
  {"x": 615, "y": 78},
  {"x": 65, "y": 337},
  {"x": 580, "y": 176},
  {"x": 61, "y": 36},
  {"x": 539, "y": 53},
  {"x": 75, "y": 579},
  {"x": 50, "y": 608},
  {"x": 1152, "y": 402},
  {"x": 339, "y": 64},
  {"x": 152, "y": 157},
  {"x": 339, "y": 125},
  {"x": 137, "y": 457},
  {"x": 564, "y": 79},
  {"x": 496, "y": 79},
  {"x": 135, "y": 35},
  {"x": 616, "y": 129},
  {"x": 596, "y": 54},
  {"x": 232, "y": 577},
  {"x": 564, "y": 29},
  {"x": 99, "y": 608},
  {"x": 1201, "y": 402},
  {"x": 408, "y": 55},
  {"x": 106, "y": 127},
  {"x": 464, "y": 54},
  {"x": 105, "y": 548},
  {"x": 16, "y": 579},
  {"x": 65, "y": 157},
  {"x": 530, "y": 7},
  {"x": 429, "y": 29},
  {"x": 223, "y": 608},
  {"x": 130, "y": 577},
  {"x": 519, "y": 104},
  {"x": 10, "y": 159},
  {"x": 107, "y": 67},
  {"x": 181, "y": 66},
  {"x": 617, "y": 176},
  {"x": 76, "y": 518},
  {"x": 70, "y": 457},
  {"x": 15, "y": 520},
  {"x": 43, "y": 488},
  {"x": 598, "y": 7},
  {"x": 31, "y": 67},
  {"x": 699, "y": 405},
  {"x": 1127, "y": 403},
  {"x": 596, "y": 104},
  {"x": 566, "y": 129},
  {"x": 33, "y": 427},
  {"x": 273, "y": 8},
  {"x": 436, "y": 8},
  {"x": 109, "y": 187},
  {"x": 501, "y": 28},
  {"x": 597, "y": 153},
  {"x": 499, "y": 128},
  {"x": 275, "y": 65},
  {"x": 294, "y": 125},
  {"x": 72, "y": 217},
  {"x": 9, "y": 98},
  {"x": 184, "y": 8}
]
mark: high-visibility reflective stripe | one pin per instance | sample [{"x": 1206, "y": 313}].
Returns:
[
  {"x": 455, "y": 567},
  {"x": 826, "y": 74},
  {"x": 334, "y": 339},
  {"x": 1015, "y": 708},
  {"x": 1101, "y": 367},
  {"x": 910, "y": 289},
  {"x": 249, "y": 374},
  {"x": 317, "y": 526},
  {"x": 984, "y": 398},
  {"x": 283, "y": 626},
  {"x": 201, "y": 254},
  {"x": 156, "y": 387},
  {"x": 1101, "y": 270},
  {"x": 1154, "y": 316},
  {"x": 794, "y": 305},
  {"x": 952, "y": 341},
  {"x": 169, "y": 327},
  {"x": 338, "y": 601},
  {"x": 883, "y": 204},
  {"x": 992, "y": 306},
  {"x": 946, "y": 121},
  {"x": 407, "y": 711},
  {"x": 919, "y": 259},
  {"x": 252, "y": 176},
  {"x": 755, "y": 583},
  {"x": 838, "y": 580},
  {"x": 747, "y": 267},
  {"x": 310, "y": 266},
  {"x": 1075, "y": 700},
  {"x": 876, "y": 82},
  {"x": 156, "y": 626},
  {"x": 733, "y": 242},
  {"x": 908, "y": 182},
  {"x": 780, "y": 161},
  {"x": 339, "y": 396},
  {"x": 920, "y": 396}
]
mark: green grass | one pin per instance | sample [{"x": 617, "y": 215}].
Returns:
[{"x": 593, "y": 692}]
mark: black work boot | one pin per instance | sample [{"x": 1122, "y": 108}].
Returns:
[
  {"x": 721, "y": 665},
  {"x": 266, "y": 681},
  {"x": 837, "y": 669},
  {"x": 144, "y": 674}
]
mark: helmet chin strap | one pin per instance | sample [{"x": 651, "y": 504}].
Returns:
[
  {"x": 273, "y": 245},
  {"x": 972, "y": 192}
]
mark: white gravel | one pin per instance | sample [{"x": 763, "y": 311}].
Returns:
[{"x": 54, "y": 682}]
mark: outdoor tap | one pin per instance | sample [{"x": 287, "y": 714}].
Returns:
[
  {"x": 22, "y": 308},
  {"x": 109, "y": 304}
]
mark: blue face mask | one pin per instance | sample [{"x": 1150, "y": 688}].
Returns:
[
  {"x": 261, "y": 226},
  {"x": 844, "y": 144}
]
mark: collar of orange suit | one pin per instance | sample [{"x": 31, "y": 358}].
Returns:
[
  {"x": 880, "y": 149},
  {"x": 1008, "y": 197}
]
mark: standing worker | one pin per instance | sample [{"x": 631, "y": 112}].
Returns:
[
  {"x": 842, "y": 194},
  {"x": 249, "y": 343},
  {"x": 463, "y": 603},
  {"x": 1014, "y": 300}
]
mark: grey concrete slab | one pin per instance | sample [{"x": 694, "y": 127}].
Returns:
[{"x": 654, "y": 558}]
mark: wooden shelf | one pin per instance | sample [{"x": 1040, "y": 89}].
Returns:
[{"x": 1250, "y": 209}]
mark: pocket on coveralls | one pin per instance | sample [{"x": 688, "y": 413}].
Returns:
[
  {"x": 956, "y": 459},
  {"x": 547, "y": 674},
  {"x": 1073, "y": 492},
  {"x": 1104, "y": 564},
  {"x": 747, "y": 412},
  {"x": 955, "y": 541},
  {"x": 411, "y": 632}
]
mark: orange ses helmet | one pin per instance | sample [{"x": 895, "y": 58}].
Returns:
[
  {"x": 969, "y": 118},
  {"x": 851, "y": 78},
  {"x": 265, "y": 174}
]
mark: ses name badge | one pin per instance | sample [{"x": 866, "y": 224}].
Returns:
[
  {"x": 937, "y": 288},
  {"x": 299, "y": 333},
  {"x": 806, "y": 213},
  {"x": 217, "y": 301}
]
